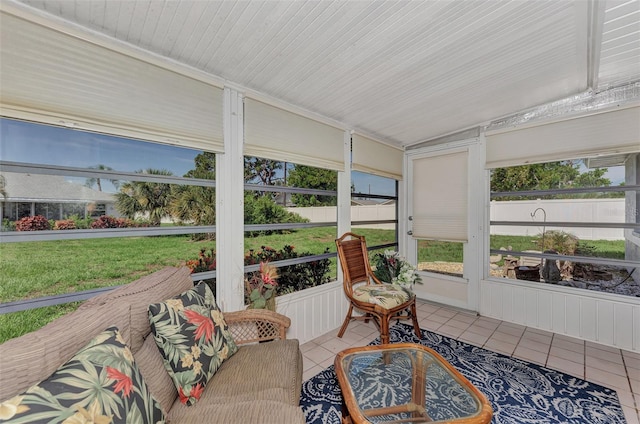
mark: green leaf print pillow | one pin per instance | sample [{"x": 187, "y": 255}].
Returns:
[
  {"x": 193, "y": 339},
  {"x": 100, "y": 384}
]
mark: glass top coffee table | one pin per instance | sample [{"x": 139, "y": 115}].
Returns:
[{"x": 406, "y": 383}]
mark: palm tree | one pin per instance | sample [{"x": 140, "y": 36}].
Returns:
[
  {"x": 90, "y": 182},
  {"x": 148, "y": 198},
  {"x": 194, "y": 204}
]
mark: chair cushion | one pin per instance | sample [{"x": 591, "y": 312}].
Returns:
[
  {"x": 193, "y": 338},
  {"x": 100, "y": 384},
  {"x": 385, "y": 295}
]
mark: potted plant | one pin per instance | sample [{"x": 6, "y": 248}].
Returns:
[
  {"x": 392, "y": 268},
  {"x": 260, "y": 288}
]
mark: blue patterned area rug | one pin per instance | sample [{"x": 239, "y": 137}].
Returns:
[{"x": 519, "y": 392}]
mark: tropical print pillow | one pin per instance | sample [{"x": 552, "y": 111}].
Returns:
[
  {"x": 101, "y": 384},
  {"x": 193, "y": 338}
]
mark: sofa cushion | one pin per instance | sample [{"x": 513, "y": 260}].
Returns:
[
  {"x": 193, "y": 338},
  {"x": 246, "y": 412},
  {"x": 31, "y": 358},
  {"x": 151, "y": 364},
  {"x": 249, "y": 374},
  {"x": 101, "y": 383},
  {"x": 152, "y": 288}
]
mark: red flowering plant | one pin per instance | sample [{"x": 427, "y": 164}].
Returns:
[{"x": 260, "y": 287}]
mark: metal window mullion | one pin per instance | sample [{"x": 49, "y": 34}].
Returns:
[
  {"x": 614, "y": 225},
  {"x": 374, "y": 196},
  {"x": 287, "y": 226},
  {"x": 382, "y": 221},
  {"x": 581, "y": 259},
  {"x": 67, "y": 171},
  {"x": 556, "y": 191},
  {"x": 284, "y": 189},
  {"x": 47, "y": 235}
]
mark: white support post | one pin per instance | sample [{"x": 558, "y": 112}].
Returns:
[
  {"x": 230, "y": 206},
  {"x": 344, "y": 189}
]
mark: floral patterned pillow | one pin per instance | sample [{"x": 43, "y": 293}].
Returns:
[
  {"x": 100, "y": 384},
  {"x": 193, "y": 338}
]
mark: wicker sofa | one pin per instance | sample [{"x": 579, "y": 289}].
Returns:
[{"x": 245, "y": 389}]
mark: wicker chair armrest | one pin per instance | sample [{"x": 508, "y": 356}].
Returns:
[{"x": 257, "y": 325}]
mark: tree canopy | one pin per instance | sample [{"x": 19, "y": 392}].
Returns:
[
  {"x": 545, "y": 176},
  {"x": 314, "y": 178}
]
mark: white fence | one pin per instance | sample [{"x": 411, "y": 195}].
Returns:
[{"x": 562, "y": 210}]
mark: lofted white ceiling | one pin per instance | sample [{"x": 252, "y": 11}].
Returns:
[{"x": 399, "y": 71}]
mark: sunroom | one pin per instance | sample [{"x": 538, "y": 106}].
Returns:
[{"x": 417, "y": 107}]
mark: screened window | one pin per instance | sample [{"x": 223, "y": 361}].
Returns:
[
  {"x": 568, "y": 223},
  {"x": 81, "y": 211},
  {"x": 290, "y": 222}
]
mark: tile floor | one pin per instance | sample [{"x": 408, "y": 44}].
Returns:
[{"x": 610, "y": 367}]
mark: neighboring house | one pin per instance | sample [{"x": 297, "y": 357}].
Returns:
[{"x": 51, "y": 196}]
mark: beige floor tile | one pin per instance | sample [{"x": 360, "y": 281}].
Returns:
[
  {"x": 513, "y": 329},
  {"x": 307, "y": 346},
  {"x": 504, "y": 337},
  {"x": 603, "y": 365},
  {"x": 631, "y": 362},
  {"x": 484, "y": 331},
  {"x": 473, "y": 338},
  {"x": 601, "y": 346},
  {"x": 459, "y": 324},
  {"x": 541, "y": 338},
  {"x": 488, "y": 323},
  {"x": 307, "y": 374},
  {"x": 570, "y": 355},
  {"x": 568, "y": 345},
  {"x": 500, "y": 346},
  {"x": 336, "y": 345},
  {"x": 568, "y": 339},
  {"x": 530, "y": 355},
  {"x": 450, "y": 331},
  {"x": 565, "y": 366},
  {"x": 629, "y": 354},
  {"x": 607, "y": 355},
  {"x": 319, "y": 354},
  {"x": 634, "y": 373},
  {"x": 607, "y": 379},
  {"x": 430, "y": 325},
  {"x": 465, "y": 317},
  {"x": 438, "y": 318},
  {"x": 635, "y": 388},
  {"x": 539, "y": 331},
  {"x": 631, "y": 414},
  {"x": 535, "y": 345},
  {"x": 626, "y": 398}
]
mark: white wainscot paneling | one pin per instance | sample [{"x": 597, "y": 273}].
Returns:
[
  {"x": 599, "y": 317},
  {"x": 315, "y": 311}
]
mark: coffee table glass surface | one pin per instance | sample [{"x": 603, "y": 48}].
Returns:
[{"x": 406, "y": 383}]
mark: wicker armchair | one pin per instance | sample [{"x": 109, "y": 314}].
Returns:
[
  {"x": 256, "y": 325},
  {"x": 380, "y": 302}
]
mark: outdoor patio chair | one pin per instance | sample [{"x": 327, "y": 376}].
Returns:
[{"x": 379, "y": 301}]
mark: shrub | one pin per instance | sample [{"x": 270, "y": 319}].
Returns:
[
  {"x": 263, "y": 210},
  {"x": 560, "y": 241},
  {"x": 292, "y": 277},
  {"x": 33, "y": 223},
  {"x": 106, "y": 221},
  {"x": 64, "y": 224},
  {"x": 8, "y": 225}
]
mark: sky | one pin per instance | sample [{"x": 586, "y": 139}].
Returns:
[{"x": 44, "y": 144}]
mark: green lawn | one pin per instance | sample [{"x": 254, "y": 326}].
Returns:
[{"x": 36, "y": 269}]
